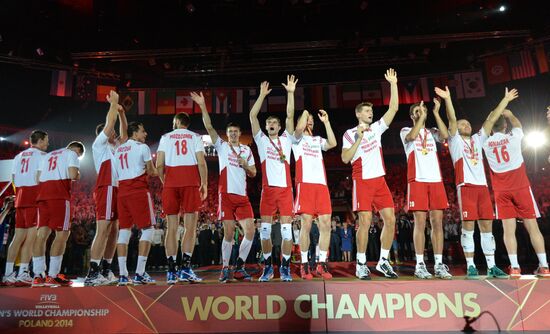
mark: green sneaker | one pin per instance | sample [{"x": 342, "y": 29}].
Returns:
[
  {"x": 495, "y": 272},
  {"x": 472, "y": 273}
]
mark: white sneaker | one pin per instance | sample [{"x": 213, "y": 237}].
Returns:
[
  {"x": 24, "y": 279},
  {"x": 442, "y": 271},
  {"x": 362, "y": 271},
  {"x": 10, "y": 279},
  {"x": 385, "y": 268},
  {"x": 95, "y": 279},
  {"x": 421, "y": 271},
  {"x": 110, "y": 279}
]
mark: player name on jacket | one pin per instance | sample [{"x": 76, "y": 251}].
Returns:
[
  {"x": 26, "y": 153},
  {"x": 181, "y": 136},
  {"x": 493, "y": 143},
  {"x": 124, "y": 148}
]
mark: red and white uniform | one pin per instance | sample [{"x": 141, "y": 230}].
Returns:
[
  {"x": 369, "y": 185},
  {"x": 181, "y": 178},
  {"x": 276, "y": 181},
  {"x": 25, "y": 167},
  {"x": 471, "y": 184},
  {"x": 105, "y": 192},
  {"x": 54, "y": 195},
  {"x": 513, "y": 195},
  {"x": 232, "y": 198},
  {"x": 134, "y": 200},
  {"x": 425, "y": 189},
  {"x": 312, "y": 195}
]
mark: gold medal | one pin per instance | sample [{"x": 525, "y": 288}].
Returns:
[
  {"x": 424, "y": 151},
  {"x": 474, "y": 161},
  {"x": 282, "y": 158}
]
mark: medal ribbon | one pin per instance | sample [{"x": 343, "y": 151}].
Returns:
[
  {"x": 279, "y": 149},
  {"x": 471, "y": 147},
  {"x": 424, "y": 140}
]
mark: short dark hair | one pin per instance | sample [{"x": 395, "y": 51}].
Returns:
[
  {"x": 36, "y": 135},
  {"x": 275, "y": 118},
  {"x": 184, "y": 118},
  {"x": 99, "y": 128},
  {"x": 411, "y": 109},
  {"x": 78, "y": 145},
  {"x": 499, "y": 124},
  {"x": 133, "y": 127},
  {"x": 361, "y": 105},
  {"x": 233, "y": 125}
]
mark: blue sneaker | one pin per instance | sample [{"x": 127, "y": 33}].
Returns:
[
  {"x": 267, "y": 274},
  {"x": 285, "y": 274},
  {"x": 241, "y": 274},
  {"x": 124, "y": 280},
  {"x": 144, "y": 279},
  {"x": 171, "y": 277},
  {"x": 224, "y": 275},
  {"x": 187, "y": 275}
]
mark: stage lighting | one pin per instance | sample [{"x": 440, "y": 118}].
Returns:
[
  {"x": 535, "y": 139},
  {"x": 502, "y": 9},
  {"x": 40, "y": 52},
  {"x": 26, "y": 142}
]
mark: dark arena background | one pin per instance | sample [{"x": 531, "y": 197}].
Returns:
[{"x": 59, "y": 59}]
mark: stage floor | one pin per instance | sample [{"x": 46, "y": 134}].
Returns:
[{"x": 341, "y": 271}]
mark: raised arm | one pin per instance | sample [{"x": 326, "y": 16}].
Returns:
[
  {"x": 203, "y": 172},
  {"x": 290, "y": 87},
  {"x": 514, "y": 121},
  {"x": 418, "y": 124},
  {"x": 391, "y": 77},
  {"x": 112, "y": 98},
  {"x": 331, "y": 139},
  {"x": 509, "y": 95},
  {"x": 123, "y": 125},
  {"x": 348, "y": 153},
  {"x": 443, "y": 132},
  {"x": 301, "y": 126},
  {"x": 449, "y": 108},
  {"x": 264, "y": 91},
  {"x": 199, "y": 99}
]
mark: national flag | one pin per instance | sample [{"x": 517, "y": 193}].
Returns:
[
  {"x": 129, "y": 100},
  {"x": 166, "y": 102},
  {"x": 253, "y": 96},
  {"x": 498, "y": 70},
  {"x": 453, "y": 81},
  {"x": 521, "y": 65},
  {"x": 207, "y": 93},
  {"x": 473, "y": 84},
  {"x": 62, "y": 83},
  {"x": 102, "y": 91},
  {"x": 332, "y": 95},
  {"x": 86, "y": 88},
  {"x": 221, "y": 101},
  {"x": 147, "y": 102},
  {"x": 237, "y": 105},
  {"x": 276, "y": 100},
  {"x": 351, "y": 96},
  {"x": 316, "y": 99},
  {"x": 372, "y": 93},
  {"x": 184, "y": 103},
  {"x": 542, "y": 58}
]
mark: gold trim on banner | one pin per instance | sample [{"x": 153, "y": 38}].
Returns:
[
  {"x": 159, "y": 297},
  {"x": 142, "y": 310},
  {"x": 109, "y": 299},
  {"x": 502, "y": 292},
  {"x": 522, "y": 304},
  {"x": 535, "y": 311}
]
